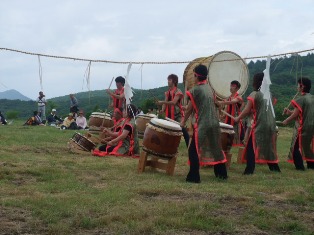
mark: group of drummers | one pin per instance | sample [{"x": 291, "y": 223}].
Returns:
[{"x": 201, "y": 117}]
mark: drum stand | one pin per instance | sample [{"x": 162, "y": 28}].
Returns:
[{"x": 154, "y": 162}]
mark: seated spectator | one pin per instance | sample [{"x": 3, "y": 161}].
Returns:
[
  {"x": 3, "y": 121},
  {"x": 69, "y": 123},
  {"x": 81, "y": 120},
  {"x": 35, "y": 120},
  {"x": 53, "y": 119}
]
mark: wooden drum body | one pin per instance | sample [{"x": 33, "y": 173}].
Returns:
[
  {"x": 100, "y": 119},
  {"x": 141, "y": 122},
  {"x": 227, "y": 136},
  {"x": 82, "y": 142},
  {"x": 162, "y": 138}
]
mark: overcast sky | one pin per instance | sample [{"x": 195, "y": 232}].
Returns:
[{"x": 138, "y": 30}]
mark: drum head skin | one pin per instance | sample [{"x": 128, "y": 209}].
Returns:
[
  {"x": 225, "y": 67},
  {"x": 166, "y": 124}
]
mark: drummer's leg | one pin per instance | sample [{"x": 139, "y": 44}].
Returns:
[
  {"x": 297, "y": 157},
  {"x": 194, "y": 173},
  {"x": 221, "y": 171},
  {"x": 250, "y": 159},
  {"x": 186, "y": 136}
]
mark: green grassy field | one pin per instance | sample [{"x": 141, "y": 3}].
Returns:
[{"x": 45, "y": 189}]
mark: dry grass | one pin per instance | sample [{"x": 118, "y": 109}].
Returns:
[{"x": 44, "y": 189}]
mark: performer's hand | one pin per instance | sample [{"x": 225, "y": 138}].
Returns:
[
  {"x": 157, "y": 102},
  {"x": 287, "y": 111},
  {"x": 112, "y": 143},
  {"x": 236, "y": 119},
  {"x": 284, "y": 122},
  {"x": 109, "y": 91}
]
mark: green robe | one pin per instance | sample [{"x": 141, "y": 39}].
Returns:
[
  {"x": 304, "y": 128},
  {"x": 263, "y": 132},
  {"x": 206, "y": 125}
]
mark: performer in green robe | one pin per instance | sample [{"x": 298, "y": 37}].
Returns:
[
  {"x": 302, "y": 146},
  {"x": 205, "y": 147},
  {"x": 261, "y": 146}
]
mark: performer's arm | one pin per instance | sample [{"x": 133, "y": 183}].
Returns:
[
  {"x": 120, "y": 137},
  {"x": 187, "y": 114},
  {"x": 246, "y": 111},
  {"x": 120, "y": 96},
  {"x": 293, "y": 116},
  {"x": 111, "y": 133},
  {"x": 233, "y": 101}
]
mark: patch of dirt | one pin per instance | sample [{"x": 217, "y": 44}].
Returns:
[{"x": 19, "y": 221}]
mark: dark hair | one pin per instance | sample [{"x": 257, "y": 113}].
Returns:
[
  {"x": 306, "y": 83},
  {"x": 174, "y": 79},
  {"x": 201, "y": 72},
  {"x": 35, "y": 113},
  {"x": 235, "y": 82},
  {"x": 257, "y": 81},
  {"x": 131, "y": 110},
  {"x": 120, "y": 79}
]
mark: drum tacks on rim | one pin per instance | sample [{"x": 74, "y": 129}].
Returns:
[
  {"x": 162, "y": 138},
  {"x": 223, "y": 68}
]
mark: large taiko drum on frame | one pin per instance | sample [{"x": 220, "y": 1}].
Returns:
[
  {"x": 97, "y": 119},
  {"x": 141, "y": 121},
  {"x": 162, "y": 138},
  {"x": 227, "y": 136},
  {"x": 223, "y": 68}
]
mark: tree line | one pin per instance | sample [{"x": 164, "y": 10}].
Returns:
[{"x": 284, "y": 72}]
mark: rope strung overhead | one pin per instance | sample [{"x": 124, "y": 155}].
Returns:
[{"x": 147, "y": 62}]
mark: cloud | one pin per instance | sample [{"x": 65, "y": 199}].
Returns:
[{"x": 139, "y": 31}]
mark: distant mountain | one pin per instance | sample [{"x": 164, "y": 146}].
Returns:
[{"x": 13, "y": 95}]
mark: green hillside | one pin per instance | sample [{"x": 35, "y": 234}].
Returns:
[{"x": 283, "y": 72}]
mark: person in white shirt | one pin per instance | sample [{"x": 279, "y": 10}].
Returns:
[
  {"x": 81, "y": 120},
  {"x": 41, "y": 101}
]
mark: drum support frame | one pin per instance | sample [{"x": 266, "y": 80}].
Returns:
[{"x": 168, "y": 164}]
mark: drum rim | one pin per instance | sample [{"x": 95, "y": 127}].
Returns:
[
  {"x": 178, "y": 127},
  {"x": 164, "y": 128}
]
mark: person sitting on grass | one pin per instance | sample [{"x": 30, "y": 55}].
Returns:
[
  {"x": 3, "y": 121},
  {"x": 69, "y": 123},
  {"x": 53, "y": 119},
  {"x": 81, "y": 120},
  {"x": 35, "y": 120}
]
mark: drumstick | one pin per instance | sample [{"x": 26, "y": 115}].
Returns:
[
  {"x": 109, "y": 89},
  {"x": 283, "y": 112},
  {"x": 224, "y": 112},
  {"x": 111, "y": 82},
  {"x": 92, "y": 135},
  {"x": 154, "y": 97},
  {"x": 103, "y": 121}
]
